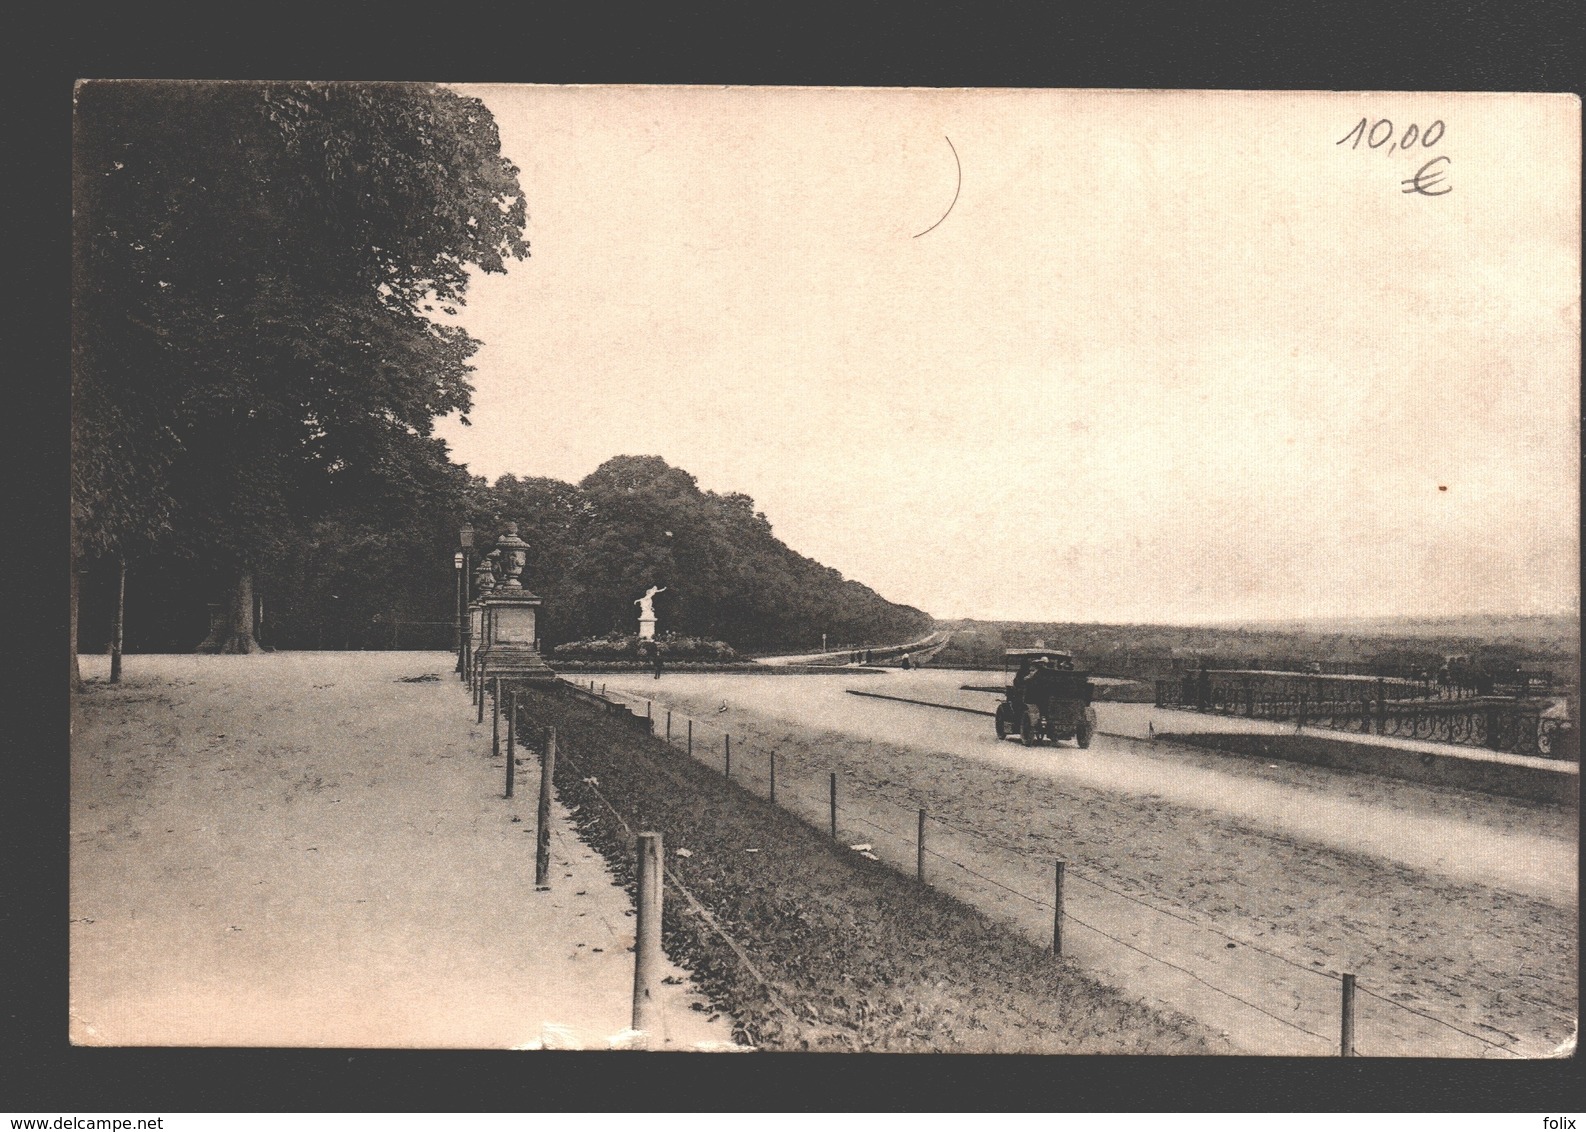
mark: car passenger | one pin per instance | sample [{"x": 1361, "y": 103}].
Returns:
[
  {"x": 1016, "y": 697},
  {"x": 1041, "y": 684}
]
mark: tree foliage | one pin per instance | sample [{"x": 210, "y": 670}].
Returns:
[
  {"x": 256, "y": 264},
  {"x": 636, "y": 521},
  {"x": 381, "y": 574},
  {"x": 257, "y": 366}
]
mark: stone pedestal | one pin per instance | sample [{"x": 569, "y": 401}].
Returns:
[
  {"x": 647, "y": 628},
  {"x": 476, "y": 628},
  {"x": 509, "y": 647}
]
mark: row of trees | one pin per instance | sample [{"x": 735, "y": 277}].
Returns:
[
  {"x": 636, "y": 522},
  {"x": 376, "y": 578},
  {"x": 257, "y": 367},
  {"x": 380, "y": 576}
]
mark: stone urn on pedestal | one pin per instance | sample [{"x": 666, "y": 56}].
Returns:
[{"x": 509, "y": 648}]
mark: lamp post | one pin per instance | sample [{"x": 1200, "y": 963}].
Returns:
[
  {"x": 465, "y": 540},
  {"x": 457, "y": 627}
]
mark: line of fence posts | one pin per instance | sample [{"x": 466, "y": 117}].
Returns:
[
  {"x": 649, "y": 900},
  {"x": 649, "y": 897}
]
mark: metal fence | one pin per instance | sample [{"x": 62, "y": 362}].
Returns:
[
  {"x": 1409, "y": 709},
  {"x": 1299, "y": 995},
  {"x": 1457, "y": 681}
]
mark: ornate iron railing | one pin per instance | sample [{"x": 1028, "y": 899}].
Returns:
[
  {"x": 1458, "y": 682},
  {"x": 1381, "y": 706}
]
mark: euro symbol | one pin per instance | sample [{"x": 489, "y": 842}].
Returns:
[{"x": 1425, "y": 178}]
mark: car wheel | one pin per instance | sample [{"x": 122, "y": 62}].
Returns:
[
  {"x": 1087, "y": 727},
  {"x": 1002, "y": 721}
]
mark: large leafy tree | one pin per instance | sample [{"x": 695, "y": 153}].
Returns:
[{"x": 256, "y": 267}]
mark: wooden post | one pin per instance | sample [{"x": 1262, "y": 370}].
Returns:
[
  {"x": 1057, "y": 914},
  {"x": 773, "y": 774},
  {"x": 919, "y": 842},
  {"x": 542, "y": 832},
  {"x": 495, "y": 718},
  {"x": 479, "y": 698},
  {"x": 727, "y": 764},
  {"x": 512, "y": 740},
  {"x": 1347, "y": 1020},
  {"x": 834, "y": 805},
  {"x": 647, "y": 935},
  {"x": 669, "y": 727},
  {"x": 116, "y": 636},
  {"x": 1346, "y": 1037},
  {"x": 691, "y": 738}
]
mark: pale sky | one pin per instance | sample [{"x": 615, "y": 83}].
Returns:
[{"x": 1170, "y": 356}]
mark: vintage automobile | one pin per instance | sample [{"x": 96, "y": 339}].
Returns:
[{"x": 1048, "y": 700}]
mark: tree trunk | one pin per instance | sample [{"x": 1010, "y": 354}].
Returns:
[
  {"x": 119, "y": 623},
  {"x": 232, "y": 631},
  {"x": 77, "y": 675}
]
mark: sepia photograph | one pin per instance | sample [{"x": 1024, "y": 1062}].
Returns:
[{"x": 767, "y": 569}]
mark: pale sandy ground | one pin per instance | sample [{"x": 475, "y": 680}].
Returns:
[
  {"x": 1251, "y": 885},
  {"x": 302, "y": 849}
]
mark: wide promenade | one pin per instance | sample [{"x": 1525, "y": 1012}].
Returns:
[{"x": 312, "y": 849}]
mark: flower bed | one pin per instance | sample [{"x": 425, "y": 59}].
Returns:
[{"x": 617, "y": 648}]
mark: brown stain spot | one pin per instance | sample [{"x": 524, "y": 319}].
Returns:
[{"x": 1442, "y": 487}]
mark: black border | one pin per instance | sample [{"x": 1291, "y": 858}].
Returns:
[{"x": 1297, "y": 45}]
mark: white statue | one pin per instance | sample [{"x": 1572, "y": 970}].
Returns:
[{"x": 646, "y": 603}]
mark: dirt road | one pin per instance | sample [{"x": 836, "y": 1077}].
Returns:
[{"x": 1231, "y": 889}]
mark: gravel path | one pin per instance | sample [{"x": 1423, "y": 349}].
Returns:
[{"x": 313, "y": 850}]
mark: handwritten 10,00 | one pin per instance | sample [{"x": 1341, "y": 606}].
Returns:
[{"x": 1380, "y": 134}]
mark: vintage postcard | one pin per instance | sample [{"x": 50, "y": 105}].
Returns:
[{"x": 857, "y": 570}]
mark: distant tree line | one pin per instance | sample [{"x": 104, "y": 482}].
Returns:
[
  {"x": 637, "y": 521},
  {"x": 1147, "y": 651}
]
